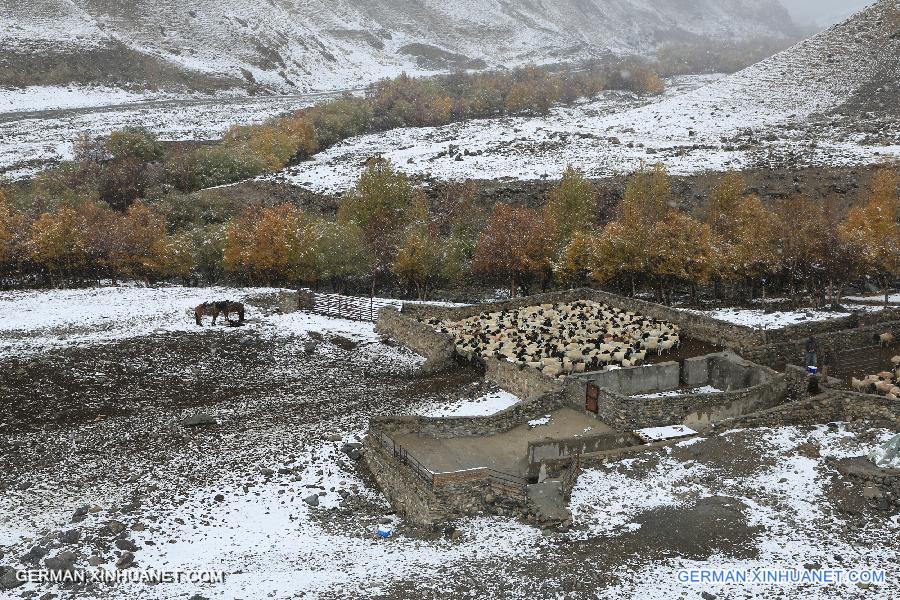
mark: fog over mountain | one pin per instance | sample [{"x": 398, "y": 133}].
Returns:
[{"x": 822, "y": 12}]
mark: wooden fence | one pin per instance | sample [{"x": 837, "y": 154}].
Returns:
[{"x": 354, "y": 308}]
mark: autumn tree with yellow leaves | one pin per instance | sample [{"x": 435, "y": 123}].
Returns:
[
  {"x": 269, "y": 246},
  {"x": 873, "y": 230}
]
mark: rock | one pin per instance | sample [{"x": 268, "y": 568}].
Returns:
[
  {"x": 116, "y": 527},
  {"x": 198, "y": 597},
  {"x": 219, "y": 497},
  {"x": 34, "y": 555},
  {"x": 355, "y": 454},
  {"x": 707, "y": 596},
  {"x": 8, "y": 579},
  {"x": 95, "y": 561},
  {"x": 334, "y": 437},
  {"x": 343, "y": 343},
  {"x": 199, "y": 420},
  {"x": 312, "y": 499},
  {"x": 871, "y": 492},
  {"x": 385, "y": 521},
  {"x": 64, "y": 561},
  {"x": 267, "y": 471},
  {"x": 126, "y": 544},
  {"x": 310, "y": 346},
  {"x": 138, "y": 527},
  {"x": 350, "y": 447},
  {"x": 70, "y": 537},
  {"x": 125, "y": 561},
  {"x": 80, "y": 514}
]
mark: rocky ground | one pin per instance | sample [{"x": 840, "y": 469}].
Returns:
[{"x": 144, "y": 442}]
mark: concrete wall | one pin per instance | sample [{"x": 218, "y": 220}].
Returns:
[
  {"x": 648, "y": 379},
  {"x": 438, "y": 350},
  {"x": 520, "y": 380},
  {"x": 553, "y": 449}
]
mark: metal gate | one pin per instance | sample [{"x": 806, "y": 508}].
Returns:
[{"x": 592, "y": 402}]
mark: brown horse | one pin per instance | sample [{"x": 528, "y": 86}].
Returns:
[{"x": 214, "y": 309}]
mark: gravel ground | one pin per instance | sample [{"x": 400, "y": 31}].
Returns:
[{"x": 95, "y": 460}]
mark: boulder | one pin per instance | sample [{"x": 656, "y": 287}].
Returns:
[
  {"x": 64, "y": 561},
  {"x": 8, "y": 579},
  {"x": 199, "y": 420},
  {"x": 312, "y": 499}
]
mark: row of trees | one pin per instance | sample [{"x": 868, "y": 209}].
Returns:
[
  {"x": 387, "y": 234},
  {"x": 89, "y": 241},
  {"x": 132, "y": 164}
]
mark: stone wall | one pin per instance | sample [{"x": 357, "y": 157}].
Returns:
[
  {"x": 445, "y": 496},
  {"x": 438, "y": 349},
  {"x": 801, "y": 331},
  {"x": 520, "y": 380},
  {"x": 829, "y": 406},
  {"x": 406, "y": 491},
  {"x": 306, "y": 300},
  {"x": 880, "y": 487},
  {"x": 790, "y": 350},
  {"x": 448, "y": 427},
  {"x": 289, "y": 301}
]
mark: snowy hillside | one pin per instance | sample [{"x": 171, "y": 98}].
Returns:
[
  {"x": 321, "y": 45},
  {"x": 829, "y": 100}
]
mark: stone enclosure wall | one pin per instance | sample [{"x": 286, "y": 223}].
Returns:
[
  {"x": 790, "y": 345},
  {"x": 520, "y": 380},
  {"x": 880, "y": 487},
  {"x": 448, "y": 427},
  {"x": 748, "y": 388},
  {"x": 438, "y": 350}
]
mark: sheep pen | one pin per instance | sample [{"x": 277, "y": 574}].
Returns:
[{"x": 562, "y": 339}]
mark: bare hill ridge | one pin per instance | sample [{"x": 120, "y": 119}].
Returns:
[{"x": 311, "y": 45}]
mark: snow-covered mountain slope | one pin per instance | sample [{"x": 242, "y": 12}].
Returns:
[
  {"x": 830, "y": 100},
  {"x": 321, "y": 45}
]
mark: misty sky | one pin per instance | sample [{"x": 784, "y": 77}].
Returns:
[{"x": 822, "y": 12}]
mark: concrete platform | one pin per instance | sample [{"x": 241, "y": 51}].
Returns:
[{"x": 505, "y": 452}]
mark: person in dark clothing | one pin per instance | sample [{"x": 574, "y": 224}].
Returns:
[{"x": 812, "y": 350}]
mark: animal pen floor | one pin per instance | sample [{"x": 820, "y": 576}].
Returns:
[{"x": 505, "y": 452}]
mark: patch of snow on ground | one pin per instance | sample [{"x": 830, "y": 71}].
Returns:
[
  {"x": 545, "y": 420},
  {"x": 606, "y": 501},
  {"x": 39, "y": 320},
  {"x": 657, "y": 434},
  {"x": 760, "y": 319},
  {"x": 489, "y": 404}
]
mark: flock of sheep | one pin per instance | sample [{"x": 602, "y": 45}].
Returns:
[
  {"x": 886, "y": 383},
  {"x": 562, "y": 339}
]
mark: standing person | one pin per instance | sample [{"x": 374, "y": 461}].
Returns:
[{"x": 812, "y": 350}]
